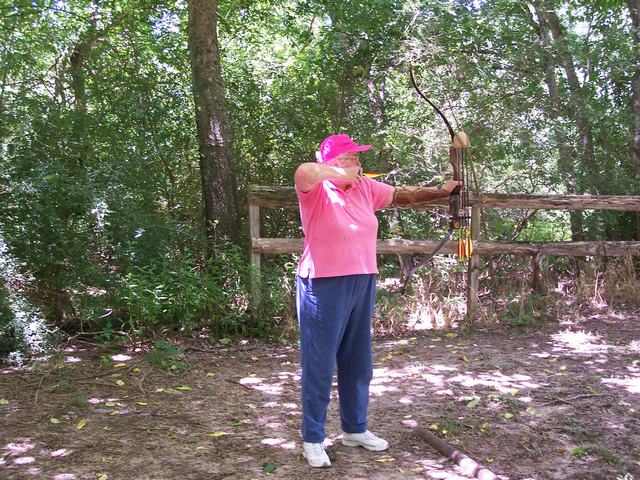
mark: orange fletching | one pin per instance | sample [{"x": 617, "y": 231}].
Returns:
[{"x": 374, "y": 174}]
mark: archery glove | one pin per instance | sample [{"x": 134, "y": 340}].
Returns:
[{"x": 405, "y": 197}]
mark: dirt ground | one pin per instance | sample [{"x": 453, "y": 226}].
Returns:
[{"x": 554, "y": 401}]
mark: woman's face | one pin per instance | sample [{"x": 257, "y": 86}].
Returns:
[{"x": 348, "y": 159}]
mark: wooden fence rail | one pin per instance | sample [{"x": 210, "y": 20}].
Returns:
[{"x": 284, "y": 197}]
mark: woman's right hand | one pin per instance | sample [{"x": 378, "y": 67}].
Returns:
[{"x": 352, "y": 173}]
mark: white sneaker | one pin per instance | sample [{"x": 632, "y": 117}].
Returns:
[
  {"x": 315, "y": 455},
  {"x": 366, "y": 439}
]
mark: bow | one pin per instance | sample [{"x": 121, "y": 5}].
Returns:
[{"x": 459, "y": 209}]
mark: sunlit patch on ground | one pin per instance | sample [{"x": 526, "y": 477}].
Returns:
[
  {"x": 521, "y": 403},
  {"x": 580, "y": 342},
  {"x": 631, "y": 384},
  {"x": 279, "y": 442}
]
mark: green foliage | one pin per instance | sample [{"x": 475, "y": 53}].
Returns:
[
  {"x": 602, "y": 453},
  {"x": 101, "y": 194},
  {"x": 8, "y": 341},
  {"x": 168, "y": 356},
  {"x": 525, "y": 310},
  {"x": 181, "y": 292}
]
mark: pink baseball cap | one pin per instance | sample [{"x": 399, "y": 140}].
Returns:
[{"x": 335, "y": 145}]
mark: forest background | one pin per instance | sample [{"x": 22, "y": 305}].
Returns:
[{"x": 131, "y": 130}]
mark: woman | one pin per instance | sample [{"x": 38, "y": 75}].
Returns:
[{"x": 336, "y": 282}]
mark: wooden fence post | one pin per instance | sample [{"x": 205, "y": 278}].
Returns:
[
  {"x": 473, "y": 279},
  {"x": 254, "y": 233}
]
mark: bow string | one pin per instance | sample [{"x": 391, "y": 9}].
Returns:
[{"x": 459, "y": 207}]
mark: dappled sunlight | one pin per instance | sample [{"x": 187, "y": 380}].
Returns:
[
  {"x": 279, "y": 442},
  {"x": 496, "y": 380},
  {"x": 24, "y": 460},
  {"x": 436, "y": 470},
  {"x": 256, "y": 383},
  {"x": 18, "y": 448},
  {"x": 289, "y": 405},
  {"x": 63, "y": 452},
  {"x": 630, "y": 384},
  {"x": 121, "y": 358},
  {"x": 413, "y": 376},
  {"x": 579, "y": 342}
]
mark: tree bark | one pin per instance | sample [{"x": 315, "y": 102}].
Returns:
[
  {"x": 634, "y": 12},
  {"x": 565, "y": 150},
  {"x": 397, "y": 246},
  {"x": 285, "y": 197},
  {"x": 578, "y": 102},
  {"x": 77, "y": 62},
  {"x": 214, "y": 131}
]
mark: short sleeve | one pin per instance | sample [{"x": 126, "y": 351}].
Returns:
[{"x": 379, "y": 194}]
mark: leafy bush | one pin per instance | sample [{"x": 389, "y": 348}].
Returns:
[{"x": 183, "y": 293}]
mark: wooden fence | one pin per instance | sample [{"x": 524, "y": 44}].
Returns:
[{"x": 284, "y": 197}]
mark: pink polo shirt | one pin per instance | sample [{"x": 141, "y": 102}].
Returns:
[{"x": 340, "y": 228}]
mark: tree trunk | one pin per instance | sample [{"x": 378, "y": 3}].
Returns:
[
  {"x": 214, "y": 131},
  {"x": 634, "y": 12},
  {"x": 576, "y": 92},
  {"x": 77, "y": 61},
  {"x": 565, "y": 149}
]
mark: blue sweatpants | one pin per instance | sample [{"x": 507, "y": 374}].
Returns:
[{"x": 334, "y": 314}]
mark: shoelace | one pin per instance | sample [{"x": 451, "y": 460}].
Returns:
[{"x": 318, "y": 449}]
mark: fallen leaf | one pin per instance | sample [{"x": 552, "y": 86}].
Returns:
[
  {"x": 81, "y": 424},
  {"x": 269, "y": 468},
  {"x": 433, "y": 426},
  {"x": 120, "y": 364},
  {"x": 4, "y": 401},
  {"x": 211, "y": 374},
  {"x": 451, "y": 335},
  {"x": 508, "y": 416},
  {"x": 101, "y": 476},
  {"x": 385, "y": 459},
  {"x": 136, "y": 370},
  {"x": 473, "y": 403},
  {"x": 219, "y": 434},
  {"x": 251, "y": 405},
  {"x": 142, "y": 404},
  {"x": 120, "y": 383},
  {"x": 514, "y": 392},
  {"x": 464, "y": 358},
  {"x": 408, "y": 416},
  {"x": 184, "y": 388},
  {"x": 489, "y": 459},
  {"x": 55, "y": 421}
]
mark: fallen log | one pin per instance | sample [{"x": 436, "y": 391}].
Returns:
[{"x": 468, "y": 464}]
